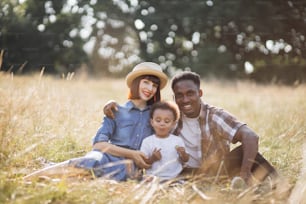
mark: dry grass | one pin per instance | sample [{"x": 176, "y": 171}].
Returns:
[{"x": 43, "y": 120}]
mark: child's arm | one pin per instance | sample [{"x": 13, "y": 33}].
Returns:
[{"x": 184, "y": 156}]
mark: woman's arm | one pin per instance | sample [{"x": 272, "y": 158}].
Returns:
[{"x": 137, "y": 156}]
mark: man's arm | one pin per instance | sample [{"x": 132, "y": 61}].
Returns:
[
  {"x": 249, "y": 140},
  {"x": 109, "y": 109},
  {"x": 138, "y": 157}
]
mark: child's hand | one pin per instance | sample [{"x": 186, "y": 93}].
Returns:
[
  {"x": 156, "y": 155},
  {"x": 180, "y": 150},
  {"x": 182, "y": 153}
]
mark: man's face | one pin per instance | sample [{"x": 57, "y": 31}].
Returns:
[{"x": 188, "y": 98}]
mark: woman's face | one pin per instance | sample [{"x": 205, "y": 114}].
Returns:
[{"x": 147, "y": 89}]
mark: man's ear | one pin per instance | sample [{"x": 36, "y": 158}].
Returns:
[{"x": 200, "y": 92}]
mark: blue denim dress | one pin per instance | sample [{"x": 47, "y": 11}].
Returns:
[{"x": 128, "y": 129}]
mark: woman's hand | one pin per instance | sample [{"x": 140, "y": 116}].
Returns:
[{"x": 140, "y": 159}]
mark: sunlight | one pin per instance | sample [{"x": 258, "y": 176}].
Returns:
[
  {"x": 41, "y": 27},
  {"x": 196, "y": 38},
  {"x": 169, "y": 40},
  {"x": 88, "y": 47},
  {"x": 143, "y": 36},
  {"x": 276, "y": 46},
  {"x": 139, "y": 24},
  {"x": 188, "y": 45},
  {"x": 248, "y": 67}
]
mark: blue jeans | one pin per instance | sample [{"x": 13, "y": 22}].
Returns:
[{"x": 104, "y": 164}]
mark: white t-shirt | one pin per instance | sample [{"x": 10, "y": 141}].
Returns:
[
  {"x": 191, "y": 135},
  {"x": 169, "y": 166}
]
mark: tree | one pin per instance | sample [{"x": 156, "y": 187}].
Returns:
[
  {"x": 219, "y": 37},
  {"x": 237, "y": 38},
  {"x": 36, "y": 34}
]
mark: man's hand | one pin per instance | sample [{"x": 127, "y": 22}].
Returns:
[
  {"x": 248, "y": 178},
  {"x": 184, "y": 156},
  {"x": 109, "y": 109},
  {"x": 249, "y": 140}
]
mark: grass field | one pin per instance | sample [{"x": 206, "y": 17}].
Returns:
[{"x": 45, "y": 120}]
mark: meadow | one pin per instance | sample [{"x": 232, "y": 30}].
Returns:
[{"x": 45, "y": 120}]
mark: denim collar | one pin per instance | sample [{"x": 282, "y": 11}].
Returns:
[{"x": 130, "y": 105}]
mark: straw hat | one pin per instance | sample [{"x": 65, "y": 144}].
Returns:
[{"x": 147, "y": 68}]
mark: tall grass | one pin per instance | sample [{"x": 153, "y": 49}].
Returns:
[{"x": 45, "y": 119}]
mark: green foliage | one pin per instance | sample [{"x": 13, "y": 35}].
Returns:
[
  {"x": 35, "y": 34},
  {"x": 6, "y": 188},
  {"x": 212, "y": 37},
  {"x": 14, "y": 192},
  {"x": 240, "y": 28}
]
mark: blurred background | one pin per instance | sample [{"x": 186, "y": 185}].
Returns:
[{"x": 257, "y": 40}]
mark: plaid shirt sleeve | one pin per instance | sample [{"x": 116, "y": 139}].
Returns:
[{"x": 223, "y": 123}]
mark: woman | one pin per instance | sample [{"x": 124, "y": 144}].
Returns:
[{"x": 118, "y": 140}]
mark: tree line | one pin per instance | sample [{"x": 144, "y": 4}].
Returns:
[{"x": 260, "y": 40}]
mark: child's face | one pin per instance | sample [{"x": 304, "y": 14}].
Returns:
[{"x": 162, "y": 122}]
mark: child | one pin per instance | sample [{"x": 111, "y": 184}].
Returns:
[{"x": 165, "y": 151}]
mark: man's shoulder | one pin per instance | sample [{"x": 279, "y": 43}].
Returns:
[{"x": 214, "y": 110}]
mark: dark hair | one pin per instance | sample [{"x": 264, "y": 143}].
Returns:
[
  {"x": 186, "y": 75},
  {"x": 166, "y": 105},
  {"x": 134, "y": 89}
]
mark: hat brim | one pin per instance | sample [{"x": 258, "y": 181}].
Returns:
[{"x": 133, "y": 75}]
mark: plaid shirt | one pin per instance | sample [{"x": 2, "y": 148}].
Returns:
[{"x": 218, "y": 128}]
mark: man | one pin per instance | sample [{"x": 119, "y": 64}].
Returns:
[{"x": 207, "y": 132}]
